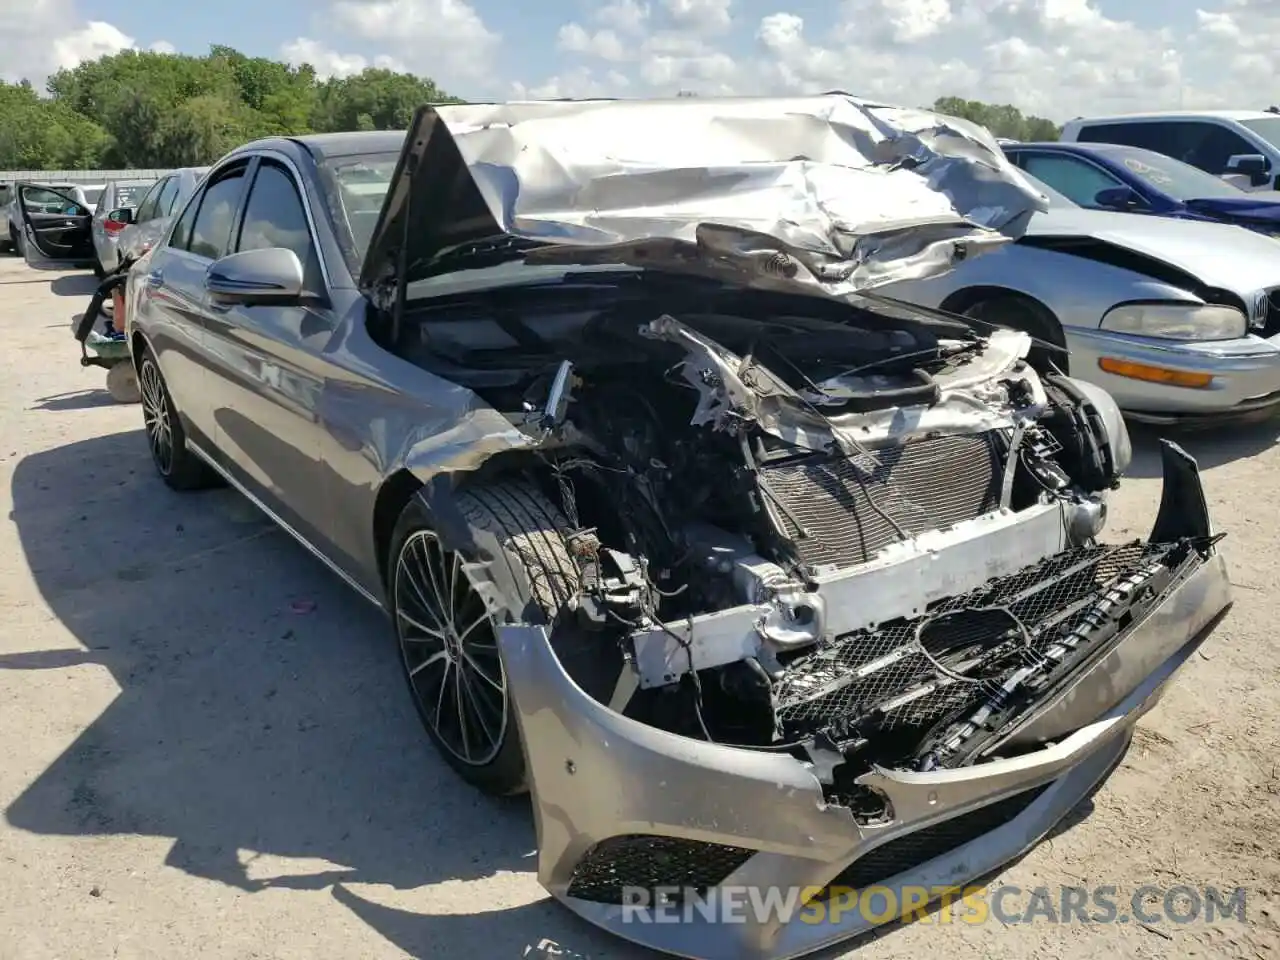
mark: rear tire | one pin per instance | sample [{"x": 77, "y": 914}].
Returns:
[
  {"x": 179, "y": 467},
  {"x": 447, "y": 640}
]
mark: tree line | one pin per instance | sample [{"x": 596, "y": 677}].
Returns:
[{"x": 140, "y": 109}]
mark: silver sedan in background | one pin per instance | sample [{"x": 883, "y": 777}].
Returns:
[
  {"x": 1179, "y": 320},
  {"x": 117, "y": 195},
  {"x": 141, "y": 226}
]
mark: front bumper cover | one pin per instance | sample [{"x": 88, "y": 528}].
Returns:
[{"x": 746, "y": 819}]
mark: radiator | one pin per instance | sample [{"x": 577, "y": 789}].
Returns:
[{"x": 843, "y": 511}]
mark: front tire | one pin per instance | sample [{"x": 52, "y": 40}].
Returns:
[
  {"x": 448, "y": 637},
  {"x": 1029, "y": 316},
  {"x": 179, "y": 467}
]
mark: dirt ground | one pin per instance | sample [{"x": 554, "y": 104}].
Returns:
[{"x": 208, "y": 752}]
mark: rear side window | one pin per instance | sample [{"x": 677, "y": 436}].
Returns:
[
  {"x": 211, "y": 229},
  {"x": 1200, "y": 143},
  {"x": 181, "y": 235},
  {"x": 1213, "y": 145},
  {"x": 169, "y": 193},
  {"x": 147, "y": 209},
  {"x": 274, "y": 217}
]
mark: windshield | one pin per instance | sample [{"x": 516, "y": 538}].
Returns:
[
  {"x": 362, "y": 183},
  {"x": 1268, "y": 128},
  {"x": 131, "y": 194},
  {"x": 1179, "y": 180},
  {"x": 91, "y": 195}
]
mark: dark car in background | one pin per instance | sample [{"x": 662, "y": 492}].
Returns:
[{"x": 1105, "y": 176}]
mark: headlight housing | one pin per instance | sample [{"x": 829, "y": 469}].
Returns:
[{"x": 1177, "y": 321}]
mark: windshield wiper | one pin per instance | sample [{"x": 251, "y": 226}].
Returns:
[
  {"x": 478, "y": 254},
  {"x": 960, "y": 317}
]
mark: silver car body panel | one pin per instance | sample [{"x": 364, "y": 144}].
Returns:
[
  {"x": 1079, "y": 291},
  {"x": 105, "y": 244},
  {"x": 849, "y": 192},
  {"x": 301, "y": 409}
]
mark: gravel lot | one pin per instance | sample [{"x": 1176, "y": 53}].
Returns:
[{"x": 194, "y": 768}]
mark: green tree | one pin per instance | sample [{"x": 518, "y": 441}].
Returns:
[
  {"x": 1002, "y": 119},
  {"x": 41, "y": 134},
  {"x": 382, "y": 98}
]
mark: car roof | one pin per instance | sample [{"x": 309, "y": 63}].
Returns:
[
  {"x": 1177, "y": 115},
  {"x": 1088, "y": 146},
  {"x": 325, "y": 145}
]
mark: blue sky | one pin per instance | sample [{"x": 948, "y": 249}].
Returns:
[{"x": 1056, "y": 57}]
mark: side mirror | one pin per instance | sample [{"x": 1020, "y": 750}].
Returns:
[
  {"x": 122, "y": 216},
  {"x": 269, "y": 275},
  {"x": 1252, "y": 165},
  {"x": 1117, "y": 198}
]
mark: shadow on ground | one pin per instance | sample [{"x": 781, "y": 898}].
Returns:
[
  {"x": 245, "y": 730},
  {"x": 1212, "y": 447},
  {"x": 74, "y": 284},
  {"x": 76, "y": 400}
]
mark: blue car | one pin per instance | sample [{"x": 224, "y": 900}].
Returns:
[{"x": 1105, "y": 176}]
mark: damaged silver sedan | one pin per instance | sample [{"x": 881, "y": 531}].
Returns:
[{"x": 752, "y": 577}]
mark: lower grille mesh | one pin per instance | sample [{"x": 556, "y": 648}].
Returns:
[
  {"x": 914, "y": 849},
  {"x": 649, "y": 862},
  {"x": 883, "y": 671},
  {"x": 836, "y": 510}
]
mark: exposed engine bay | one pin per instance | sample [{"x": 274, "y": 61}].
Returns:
[{"x": 866, "y": 541}]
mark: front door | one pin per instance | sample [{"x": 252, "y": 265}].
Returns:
[
  {"x": 57, "y": 229},
  {"x": 270, "y": 366}
]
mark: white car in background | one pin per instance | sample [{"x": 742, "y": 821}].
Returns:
[{"x": 1241, "y": 146}]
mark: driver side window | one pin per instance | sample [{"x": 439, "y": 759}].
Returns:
[{"x": 1076, "y": 180}]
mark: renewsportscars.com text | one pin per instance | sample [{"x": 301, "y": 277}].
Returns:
[{"x": 1006, "y": 904}]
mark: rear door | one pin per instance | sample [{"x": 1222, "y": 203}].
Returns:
[
  {"x": 270, "y": 366},
  {"x": 56, "y": 226},
  {"x": 170, "y": 300}
]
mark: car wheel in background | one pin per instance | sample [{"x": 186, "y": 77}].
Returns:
[
  {"x": 1027, "y": 315},
  {"x": 447, "y": 634},
  {"x": 179, "y": 467}
]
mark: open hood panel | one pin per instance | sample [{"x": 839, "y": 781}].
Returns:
[{"x": 829, "y": 192}]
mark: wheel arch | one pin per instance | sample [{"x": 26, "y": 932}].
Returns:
[{"x": 441, "y": 488}]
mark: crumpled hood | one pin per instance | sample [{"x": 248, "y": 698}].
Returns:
[
  {"x": 826, "y": 190},
  {"x": 1263, "y": 205},
  {"x": 1217, "y": 254}
]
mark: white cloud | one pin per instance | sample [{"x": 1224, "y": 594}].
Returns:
[
  {"x": 444, "y": 39},
  {"x": 579, "y": 83},
  {"x": 624, "y": 16},
  {"x": 330, "y": 63},
  {"x": 95, "y": 39},
  {"x": 1056, "y": 58},
  {"x": 162, "y": 46},
  {"x": 704, "y": 15},
  {"x": 39, "y": 37},
  {"x": 605, "y": 44}
]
